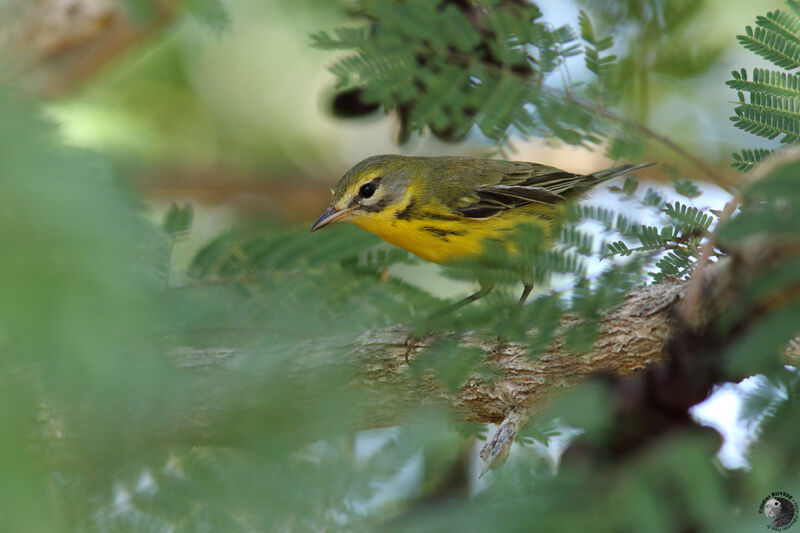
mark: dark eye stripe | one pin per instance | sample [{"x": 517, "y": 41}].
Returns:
[{"x": 380, "y": 205}]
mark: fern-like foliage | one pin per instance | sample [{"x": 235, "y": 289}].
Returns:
[
  {"x": 747, "y": 158},
  {"x": 686, "y": 188},
  {"x": 768, "y": 116},
  {"x": 769, "y": 82},
  {"x": 683, "y": 230},
  {"x": 601, "y": 65},
  {"x": 692, "y": 219},
  {"x": 176, "y": 224},
  {"x": 450, "y": 66},
  {"x": 178, "y": 221},
  {"x": 777, "y": 46},
  {"x": 772, "y": 108}
]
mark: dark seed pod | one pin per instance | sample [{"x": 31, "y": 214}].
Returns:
[{"x": 351, "y": 104}]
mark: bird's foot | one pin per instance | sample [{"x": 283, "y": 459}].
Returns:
[
  {"x": 411, "y": 344},
  {"x": 500, "y": 344}
]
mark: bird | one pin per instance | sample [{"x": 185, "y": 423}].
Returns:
[
  {"x": 448, "y": 207},
  {"x": 780, "y": 510}
]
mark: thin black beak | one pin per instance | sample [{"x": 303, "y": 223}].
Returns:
[{"x": 330, "y": 216}]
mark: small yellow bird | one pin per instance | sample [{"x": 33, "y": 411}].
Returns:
[{"x": 445, "y": 208}]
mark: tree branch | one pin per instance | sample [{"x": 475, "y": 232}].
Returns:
[
  {"x": 631, "y": 337},
  {"x": 724, "y": 179},
  {"x": 647, "y": 335},
  {"x": 634, "y": 336},
  {"x": 54, "y": 46}
]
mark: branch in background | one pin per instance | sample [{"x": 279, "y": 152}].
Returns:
[
  {"x": 724, "y": 179},
  {"x": 52, "y": 47}
]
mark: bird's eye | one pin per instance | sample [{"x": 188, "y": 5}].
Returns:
[{"x": 367, "y": 190}]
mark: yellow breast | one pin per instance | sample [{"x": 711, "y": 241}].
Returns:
[{"x": 440, "y": 240}]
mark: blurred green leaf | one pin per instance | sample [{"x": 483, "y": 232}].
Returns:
[
  {"x": 178, "y": 220},
  {"x": 79, "y": 315},
  {"x": 211, "y": 13}
]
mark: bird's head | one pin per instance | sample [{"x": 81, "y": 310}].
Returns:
[
  {"x": 376, "y": 184},
  {"x": 772, "y": 508}
]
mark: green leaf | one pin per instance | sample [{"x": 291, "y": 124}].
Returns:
[
  {"x": 653, "y": 198},
  {"x": 769, "y": 116},
  {"x": 677, "y": 264},
  {"x": 542, "y": 318},
  {"x": 502, "y": 100},
  {"x": 345, "y": 39},
  {"x": 775, "y": 47},
  {"x": 178, "y": 221},
  {"x": 769, "y": 284},
  {"x": 686, "y": 188},
  {"x": 448, "y": 67},
  {"x": 772, "y": 206},
  {"x": 451, "y": 364},
  {"x": 211, "y": 13},
  {"x": 780, "y": 23},
  {"x": 602, "y": 66},
  {"x": 574, "y": 238},
  {"x": 690, "y": 218},
  {"x": 628, "y": 187},
  {"x": 768, "y": 82},
  {"x": 617, "y": 248},
  {"x": 747, "y": 158},
  {"x": 759, "y": 350}
]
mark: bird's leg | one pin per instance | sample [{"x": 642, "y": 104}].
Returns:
[
  {"x": 527, "y": 287},
  {"x": 411, "y": 343},
  {"x": 485, "y": 289},
  {"x": 412, "y": 340}
]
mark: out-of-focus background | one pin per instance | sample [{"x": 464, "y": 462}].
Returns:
[
  {"x": 231, "y": 109},
  {"x": 236, "y": 113},
  {"x": 226, "y": 107}
]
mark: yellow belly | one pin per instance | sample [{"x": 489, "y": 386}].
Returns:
[{"x": 440, "y": 241}]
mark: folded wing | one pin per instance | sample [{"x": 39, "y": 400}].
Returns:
[{"x": 526, "y": 184}]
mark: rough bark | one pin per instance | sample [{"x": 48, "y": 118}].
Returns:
[
  {"x": 631, "y": 337},
  {"x": 656, "y": 336}
]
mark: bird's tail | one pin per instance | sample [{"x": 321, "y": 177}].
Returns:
[{"x": 609, "y": 173}]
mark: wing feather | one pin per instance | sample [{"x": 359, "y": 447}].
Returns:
[
  {"x": 509, "y": 185},
  {"x": 520, "y": 184},
  {"x": 535, "y": 185}
]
